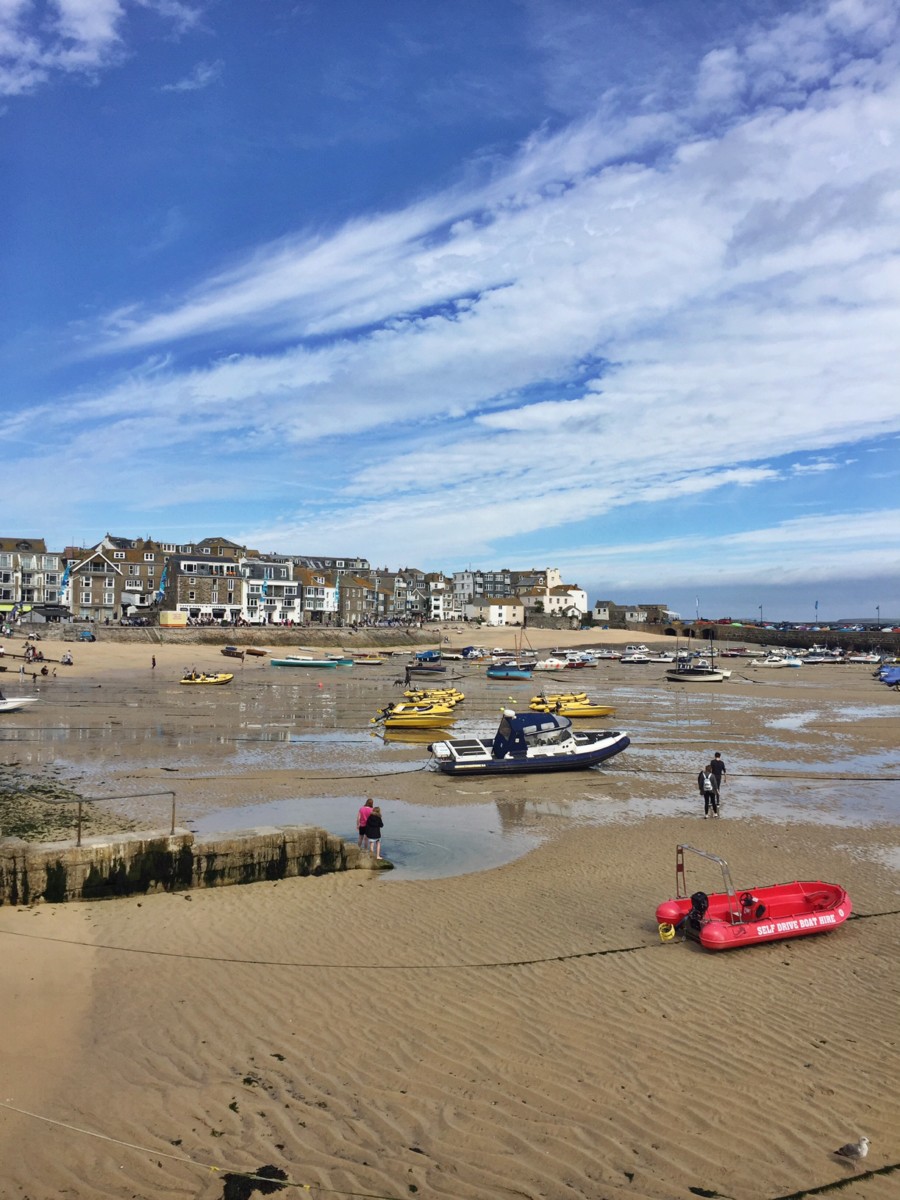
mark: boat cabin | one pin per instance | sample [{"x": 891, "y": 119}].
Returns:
[{"x": 519, "y": 732}]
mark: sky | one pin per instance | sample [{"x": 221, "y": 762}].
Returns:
[{"x": 613, "y": 288}]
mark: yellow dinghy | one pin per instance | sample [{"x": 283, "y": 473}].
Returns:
[
  {"x": 414, "y": 716},
  {"x": 434, "y": 696},
  {"x": 574, "y": 708},
  {"x": 539, "y": 703},
  {"x": 202, "y": 677}
]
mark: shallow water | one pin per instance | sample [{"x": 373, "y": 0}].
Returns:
[{"x": 422, "y": 842}]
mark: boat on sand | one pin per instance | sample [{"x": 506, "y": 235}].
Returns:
[
  {"x": 727, "y": 920},
  {"x": 527, "y": 742},
  {"x": 207, "y": 677}
]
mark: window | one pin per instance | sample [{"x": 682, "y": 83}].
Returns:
[
  {"x": 192, "y": 595},
  {"x": 132, "y": 585},
  {"x": 109, "y": 581},
  {"x": 206, "y": 549},
  {"x": 214, "y": 599},
  {"x": 109, "y": 597},
  {"x": 51, "y": 580},
  {"x": 118, "y": 553},
  {"x": 134, "y": 569},
  {"x": 149, "y": 558}
]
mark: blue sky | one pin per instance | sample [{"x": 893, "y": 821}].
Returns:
[{"x": 613, "y": 288}]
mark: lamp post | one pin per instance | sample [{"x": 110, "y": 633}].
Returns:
[
  {"x": 760, "y": 615},
  {"x": 878, "y": 615}
]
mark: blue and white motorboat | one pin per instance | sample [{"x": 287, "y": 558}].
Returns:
[{"x": 527, "y": 742}]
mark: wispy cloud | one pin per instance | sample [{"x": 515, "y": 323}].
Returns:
[{"x": 203, "y": 74}]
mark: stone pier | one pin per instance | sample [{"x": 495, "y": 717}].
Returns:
[{"x": 131, "y": 864}]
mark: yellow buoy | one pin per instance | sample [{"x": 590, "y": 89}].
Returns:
[{"x": 666, "y": 932}]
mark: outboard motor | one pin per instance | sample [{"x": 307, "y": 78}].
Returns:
[{"x": 699, "y": 909}]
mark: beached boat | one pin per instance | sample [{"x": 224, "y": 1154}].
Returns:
[
  {"x": 634, "y": 656},
  {"x": 368, "y": 660},
  {"x": 415, "y": 716},
  {"x": 509, "y": 671},
  {"x": 527, "y": 742},
  {"x": 255, "y": 651},
  {"x": 550, "y": 664},
  {"x": 699, "y": 671},
  {"x": 207, "y": 677},
  {"x": 10, "y": 704},
  {"x": 727, "y": 920},
  {"x": 573, "y": 708},
  {"x": 342, "y": 660},
  {"x": 295, "y": 660},
  {"x": 777, "y": 660},
  {"x": 233, "y": 652}
]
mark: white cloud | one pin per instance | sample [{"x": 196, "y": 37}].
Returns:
[
  {"x": 39, "y": 41},
  {"x": 203, "y": 74}
]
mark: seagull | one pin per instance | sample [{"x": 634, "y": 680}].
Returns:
[{"x": 854, "y": 1151}]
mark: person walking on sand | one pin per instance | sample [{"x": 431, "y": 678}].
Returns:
[
  {"x": 362, "y": 818},
  {"x": 374, "y": 825},
  {"x": 717, "y": 766},
  {"x": 153, "y": 663},
  {"x": 706, "y": 782}
]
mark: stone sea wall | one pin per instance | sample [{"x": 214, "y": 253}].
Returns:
[{"x": 131, "y": 864}]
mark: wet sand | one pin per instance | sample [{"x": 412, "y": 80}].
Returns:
[{"x": 513, "y": 1030}]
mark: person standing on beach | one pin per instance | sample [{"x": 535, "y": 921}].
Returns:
[
  {"x": 362, "y": 818},
  {"x": 374, "y": 825},
  {"x": 153, "y": 663},
  {"x": 706, "y": 782}
]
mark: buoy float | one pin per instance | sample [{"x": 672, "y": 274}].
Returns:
[{"x": 666, "y": 931}]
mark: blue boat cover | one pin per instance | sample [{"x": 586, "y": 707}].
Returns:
[{"x": 518, "y": 731}]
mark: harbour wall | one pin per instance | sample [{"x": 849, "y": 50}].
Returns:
[{"x": 128, "y": 864}]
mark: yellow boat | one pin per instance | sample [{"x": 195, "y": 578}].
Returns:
[
  {"x": 574, "y": 708},
  {"x": 419, "y": 721},
  {"x": 434, "y": 696},
  {"x": 204, "y": 677},
  {"x": 552, "y": 698}
]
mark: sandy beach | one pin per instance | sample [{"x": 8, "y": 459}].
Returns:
[{"x": 451, "y": 1028}]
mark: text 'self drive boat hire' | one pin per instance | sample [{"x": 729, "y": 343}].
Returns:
[
  {"x": 528, "y": 742},
  {"x": 726, "y": 920}
]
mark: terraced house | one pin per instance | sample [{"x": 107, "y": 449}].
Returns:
[{"x": 30, "y": 577}]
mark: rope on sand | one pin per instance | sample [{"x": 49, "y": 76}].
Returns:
[{"x": 192, "y": 1162}]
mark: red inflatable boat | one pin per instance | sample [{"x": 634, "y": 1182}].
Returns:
[{"x": 726, "y": 920}]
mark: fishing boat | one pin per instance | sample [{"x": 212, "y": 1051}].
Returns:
[
  {"x": 726, "y": 920},
  {"x": 295, "y": 660},
  {"x": 527, "y": 742},
  {"x": 207, "y": 677},
  {"x": 776, "y": 661},
  {"x": 10, "y": 704},
  {"x": 634, "y": 656},
  {"x": 233, "y": 652}
]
